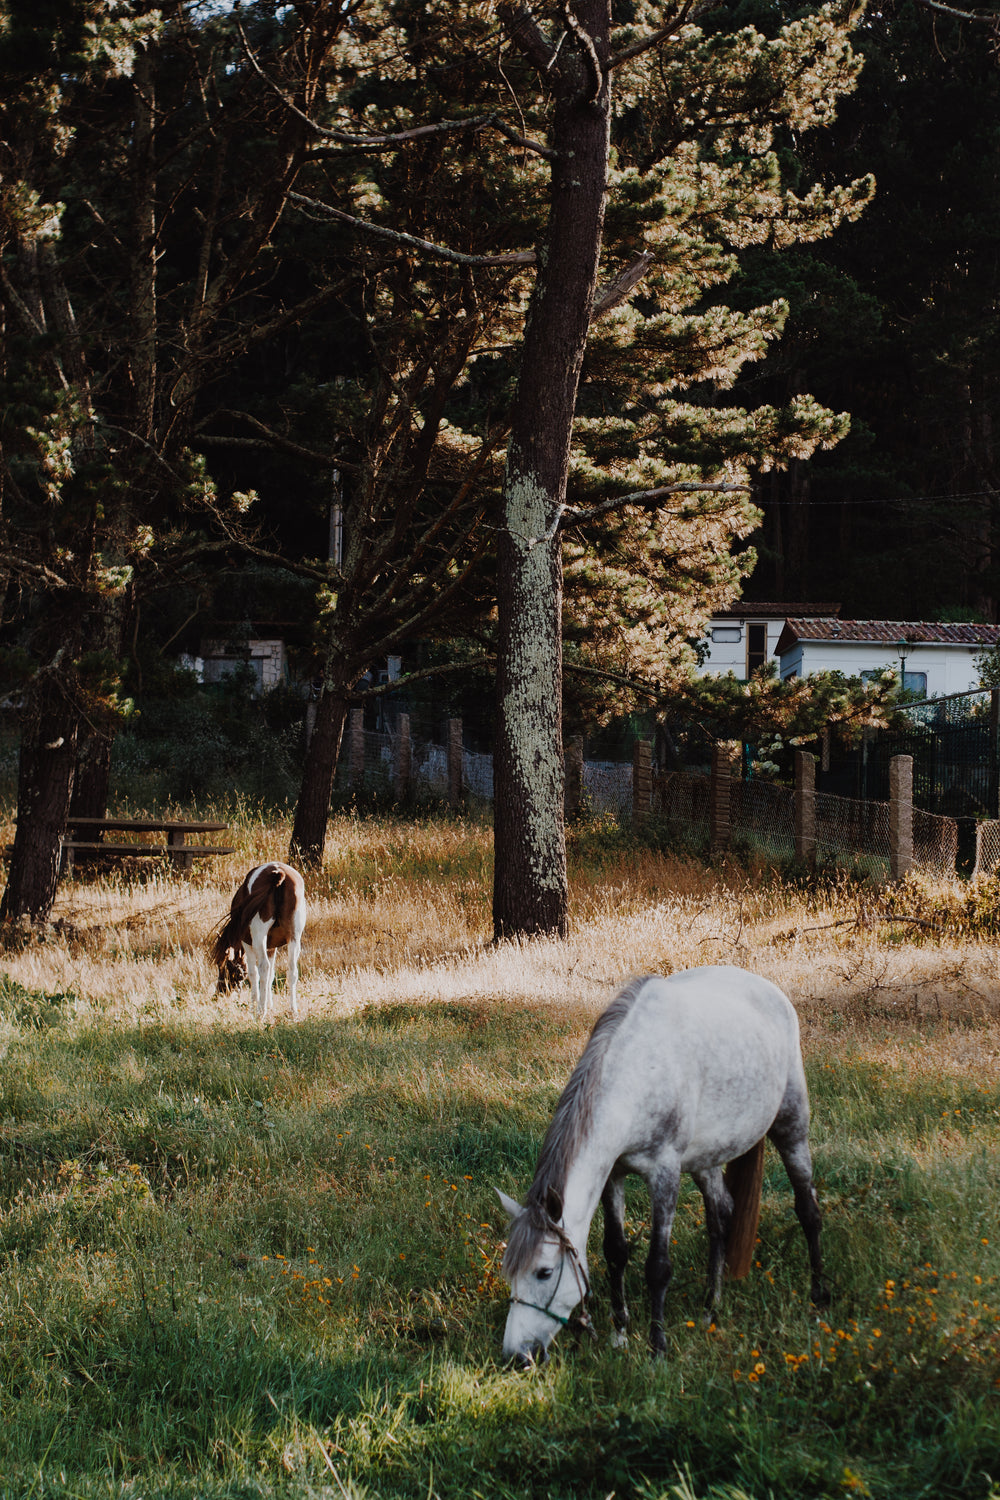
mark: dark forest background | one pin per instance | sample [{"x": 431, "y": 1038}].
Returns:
[{"x": 894, "y": 319}]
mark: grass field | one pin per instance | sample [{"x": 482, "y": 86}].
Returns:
[{"x": 243, "y": 1261}]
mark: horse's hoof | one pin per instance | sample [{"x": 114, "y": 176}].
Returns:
[{"x": 619, "y": 1339}]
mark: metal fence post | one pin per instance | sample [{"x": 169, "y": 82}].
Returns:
[
  {"x": 402, "y": 777},
  {"x": 454, "y": 762},
  {"x": 642, "y": 781},
  {"x": 805, "y": 807},
  {"x": 900, "y": 815},
  {"x": 724, "y": 762}
]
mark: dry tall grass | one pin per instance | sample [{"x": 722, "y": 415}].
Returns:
[{"x": 400, "y": 913}]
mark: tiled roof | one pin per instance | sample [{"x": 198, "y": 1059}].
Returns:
[{"x": 888, "y": 632}]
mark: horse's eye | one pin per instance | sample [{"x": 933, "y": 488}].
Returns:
[{"x": 543, "y": 1273}]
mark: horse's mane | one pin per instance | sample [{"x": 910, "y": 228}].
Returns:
[{"x": 567, "y": 1128}]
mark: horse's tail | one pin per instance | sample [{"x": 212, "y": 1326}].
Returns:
[{"x": 744, "y": 1180}]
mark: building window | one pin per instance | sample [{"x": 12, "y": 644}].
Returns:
[
  {"x": 913, "y": 682},
  {"x": 756, "y": 647},
  {"x": 727, "y": 634}
]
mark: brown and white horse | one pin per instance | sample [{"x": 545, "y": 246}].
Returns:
[{"x": 268, "y": 912}]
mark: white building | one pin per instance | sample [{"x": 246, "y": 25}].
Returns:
[
  {"x": 265, "y": 658},
  {"x": 935, "y": 659},
  {"x": 744, "y": 637}
]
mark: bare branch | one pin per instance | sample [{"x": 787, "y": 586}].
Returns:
[
  {"x": 411, "y": 241},
  {"x": 377, "y": 690},
  {"x": 21, "y": 308},
  {"x": 690, "y": 10},
  {"x": 388, "y": 142},
  {"x": 11, "y": 563},
  {"x": 268, "y": 439},
  {"x": 990, "y": 18},
  {"x": 374, "y": 143},
  {"x": 523, "y": 141},
  {"x": 647, "y": 43},
  {"x": 634, "y": 684},
  {"x": 571, "y": 516},
  {"x": 617, "y": 290}
]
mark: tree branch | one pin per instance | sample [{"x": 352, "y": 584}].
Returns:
[
  {"x": 586, "y": 43},
  {"x": 378, "y": 690},
  {"x": 11, "y": 563},
  {"x": 991, "y": 19},
  {"x": 526, "y": 34},
  {"x": 647, "y": 43},
  {"x": 572, "y": 516},
  {"x": 634, "y": 685},
  {"x": 411, "y": 242},
  {"x": 617, "y": 290},
  {"x": 268, "y": 438},
  {"x": 389, "y": 142}
]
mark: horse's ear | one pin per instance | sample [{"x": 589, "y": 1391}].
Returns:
[
  {"x": 509, "y": 1205},
  {"x": 553, "y": 1205}
]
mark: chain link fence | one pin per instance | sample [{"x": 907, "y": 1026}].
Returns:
[
  {"x": 987, "y": 847},
  {"x": 848, "y": 830},
  {"x": 682, "y": 799},
  {"x": 762, "y": 816},
  {"x": 607, "y": 788}
]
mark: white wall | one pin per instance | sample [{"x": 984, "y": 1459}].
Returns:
[
  {"x": 731, "y": 656},
  {"x": 948, "y": 669}
]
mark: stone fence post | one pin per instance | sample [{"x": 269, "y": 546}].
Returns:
[
  {"x": 642, "y": 782},
  {"x": 725, "y": 759},
  {"x": 805, "y": 807},
  {"x": 900, "y": 815}
]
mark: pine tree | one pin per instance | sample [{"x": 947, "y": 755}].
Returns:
[{"x": 131, "y": 278}]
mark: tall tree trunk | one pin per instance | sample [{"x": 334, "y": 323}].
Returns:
[
  {"x": 312, "y": 810},
  {"x": 92, "y": 778},
  {"x": 530, "y": 891},
  {"x": 44, "y": 788}
]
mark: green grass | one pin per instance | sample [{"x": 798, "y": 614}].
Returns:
[{"x": 238, "y": 1263}]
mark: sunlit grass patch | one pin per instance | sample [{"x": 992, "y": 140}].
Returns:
[{"x": 245, "y": 1261}]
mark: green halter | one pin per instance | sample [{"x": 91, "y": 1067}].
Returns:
[{"x": 581, "y": 1319}]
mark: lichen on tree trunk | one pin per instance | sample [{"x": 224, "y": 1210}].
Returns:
[
  {"x": 530, "y": 886},
  {"x": 530, "y": 890}
]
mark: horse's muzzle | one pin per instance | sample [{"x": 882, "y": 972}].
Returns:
[
  {"x": 529, "y": 1356},
  {"x": 232, "y": 974}
]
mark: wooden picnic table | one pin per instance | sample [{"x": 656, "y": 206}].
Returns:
[{"x": 86, "y": 835}]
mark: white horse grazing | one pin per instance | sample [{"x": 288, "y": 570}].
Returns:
[
  {"x": 683, "y": 1074},
  {"x": 267, "y": 912}
]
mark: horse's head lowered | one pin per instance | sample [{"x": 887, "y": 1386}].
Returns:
[
  {"x": 547, "y": 1277},
  {"x": 232, "y": 971}
]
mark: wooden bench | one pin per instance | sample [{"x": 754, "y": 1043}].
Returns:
[{"x": 85, "y": 836}]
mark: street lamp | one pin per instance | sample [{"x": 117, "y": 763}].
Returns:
[{"x": 903, "y": 648}]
